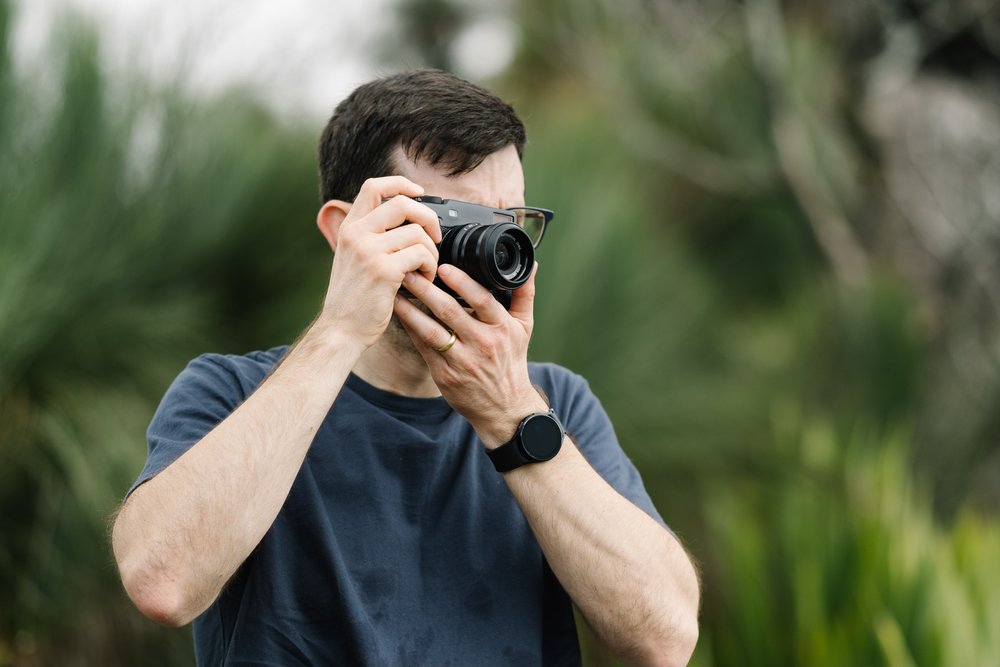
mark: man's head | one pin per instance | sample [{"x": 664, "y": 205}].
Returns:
[
  {"x": 451, "y": 137},
  {"x": 426, "y": 116}
]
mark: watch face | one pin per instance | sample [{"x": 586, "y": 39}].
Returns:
[{"x": 541, "y": 437}]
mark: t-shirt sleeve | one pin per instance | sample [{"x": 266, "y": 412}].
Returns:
[
  {"x": 204, "y": 394},
  {"x": 589, "y": 426}
]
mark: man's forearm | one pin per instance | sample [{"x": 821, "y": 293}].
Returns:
[
  {"x": 183, "y": 534},
  {"x": 630, "y": 578}
]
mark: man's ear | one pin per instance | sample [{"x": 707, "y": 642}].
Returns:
[{"x": 329, "y": 219}]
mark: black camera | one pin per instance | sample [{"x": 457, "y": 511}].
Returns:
[{"x": 485, "y": 242}]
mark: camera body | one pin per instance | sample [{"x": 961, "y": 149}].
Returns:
[{"x": 484, "y": 242}]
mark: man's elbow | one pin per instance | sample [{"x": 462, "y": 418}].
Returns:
[
  {"x": 671, "y": 647},
  {"x": 678, "y": 634},
  {"x": 154, "y": 594},
  {"x": 671, "y": 642},
  {"x": 152, "y": 591},
  {"x": 676, "y": 649},
  {"x": 162, "y": 607}
]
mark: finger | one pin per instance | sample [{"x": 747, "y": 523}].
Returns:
[
  {"x": 522, "y": 302},
  {"x": 441, "y": 304},
  {"x": 436, "y": 362},
  {"x": 405, "y": 236},
  {"x": 414, "y": 258},
  {"x": 375, "y": 190},
  {"x": 439, "y": 363},
  {"x": 423, "y": 329},
  {"x": 400, "y": 209},
  {"x": 480, "y": 299}
]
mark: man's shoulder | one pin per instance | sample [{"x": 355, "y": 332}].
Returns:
[
  {"x": 558, "y": 382},
  {"x": 547, "y": 372},
  {"x": 251, "y": 360},
  {"x": 247, "y": 369}
]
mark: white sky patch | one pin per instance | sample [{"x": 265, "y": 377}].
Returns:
[
  {"x": 301, "y": 57},
  {"x": 485, "y": 48}
]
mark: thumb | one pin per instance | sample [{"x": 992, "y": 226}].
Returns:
[{"x": 522, "y": 302}]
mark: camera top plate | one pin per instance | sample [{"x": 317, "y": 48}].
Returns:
[{"x": 455, "y": 212}]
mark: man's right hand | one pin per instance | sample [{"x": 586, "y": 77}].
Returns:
[
  {"x": 181, "y": 535},
  {"x": 374, "y": 250}
]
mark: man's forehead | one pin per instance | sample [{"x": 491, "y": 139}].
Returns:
[{"x": 497, "y": 181}]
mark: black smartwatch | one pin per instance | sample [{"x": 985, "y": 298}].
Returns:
[{"x": 539, "y": 437}]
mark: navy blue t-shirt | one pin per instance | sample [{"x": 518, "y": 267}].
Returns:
[{"x": 398, "y": 544}]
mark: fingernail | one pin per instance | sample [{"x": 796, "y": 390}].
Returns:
[
  {"x": 408, "y": 278},
  {"x": 444, "y": 270}
]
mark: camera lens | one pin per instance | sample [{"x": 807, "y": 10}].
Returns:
[
  {"x": 498, "y": 256},
  {"x": 506, "y": 254}
]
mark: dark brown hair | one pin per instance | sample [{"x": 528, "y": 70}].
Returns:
[{"x": 434, "y": 116}]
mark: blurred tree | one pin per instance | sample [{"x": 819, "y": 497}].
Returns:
[
  {"x": 421, "y": 33},
  {"x": 825, "y": 152},
  {"x": 138, "y": 228}
]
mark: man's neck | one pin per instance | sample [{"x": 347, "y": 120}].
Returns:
[{"x": 393, "y": 364}]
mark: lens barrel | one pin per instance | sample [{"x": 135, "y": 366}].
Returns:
[{"x": 498, "y": 256}]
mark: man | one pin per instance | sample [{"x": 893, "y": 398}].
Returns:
[{"x": 335, "y": 503}]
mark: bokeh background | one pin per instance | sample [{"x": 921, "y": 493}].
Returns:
[{"x": 776, "y": 257}]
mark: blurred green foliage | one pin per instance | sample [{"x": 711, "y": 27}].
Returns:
[
  {"x": 847, "y": 564},
  {"x": 798, "y": 362},
  {"x": 138, "y": 227}
]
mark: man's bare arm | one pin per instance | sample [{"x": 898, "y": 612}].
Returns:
[
  {"x": 629, "y": 576},
  {"x": 182, "y": 535}
]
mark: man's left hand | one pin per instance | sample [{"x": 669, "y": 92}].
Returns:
[{"x": 484, "y": 374}]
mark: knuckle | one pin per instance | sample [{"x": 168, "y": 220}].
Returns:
[
  {"x": 348, "y": 239},
  {"x": 469, "y": 366},
  {"x": 412, "y": 211},
  {"x": 363, "y": 246},
  {"x": 448, "y": 378},
  {"x": 370, "y": 184},
  {"x": 450, "y": 311},
  {"x": 395, "y": 208},
  {"x": 488, "y": 348},
  {"x": 481, "y": 300},
  {"x": 373, "y": 265},
  {"x": 412, "y": 256}
]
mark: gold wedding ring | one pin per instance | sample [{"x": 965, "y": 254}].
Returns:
[{"x": 447, "y": 346}]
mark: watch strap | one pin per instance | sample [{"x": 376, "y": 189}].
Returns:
[{"x": 507, "y": 456}]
